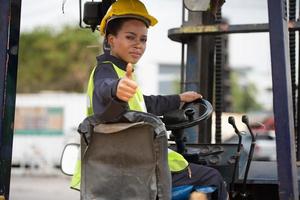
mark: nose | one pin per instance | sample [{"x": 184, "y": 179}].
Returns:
[{"x": 138, "y": 45}]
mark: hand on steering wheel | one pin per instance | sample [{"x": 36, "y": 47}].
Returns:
[{"x": 189, "y": 96}]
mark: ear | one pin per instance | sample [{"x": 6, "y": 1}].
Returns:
[{"x": 110, "y": 39}]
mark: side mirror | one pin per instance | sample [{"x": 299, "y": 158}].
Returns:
[
  {"x": 93, "y": 12},
  {"x": 69, "y": 158},
  {"x": 204, "y": 5},
  {"x": 197, "y": 5}
]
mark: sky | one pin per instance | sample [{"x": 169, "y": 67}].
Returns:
[{"x": 247, "y": 51}]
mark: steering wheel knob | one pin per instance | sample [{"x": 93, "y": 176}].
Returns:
[{"x": 190, "y": 112}]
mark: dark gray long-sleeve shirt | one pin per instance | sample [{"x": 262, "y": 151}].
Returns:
[{"x": 105, "y": 101}]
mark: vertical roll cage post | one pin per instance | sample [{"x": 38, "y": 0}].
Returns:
[
  {"x": 10, "y": 12},
  {"x": 282, "y": 101}
]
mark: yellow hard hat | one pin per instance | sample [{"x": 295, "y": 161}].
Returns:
[{"x": 127, "y": 8}]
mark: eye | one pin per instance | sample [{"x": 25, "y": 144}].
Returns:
[
  {"x": 130, "y": 37},
  {"x": 143, "y": 40}
]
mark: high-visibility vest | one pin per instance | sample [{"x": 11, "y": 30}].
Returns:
[
  {"x": 136, "y": 103},
  {"x": 176, "y": 161}
]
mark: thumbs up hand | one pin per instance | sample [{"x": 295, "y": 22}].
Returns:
[
  {"x": 129, "y": 70},
  {"x": 126, "y": 87}
]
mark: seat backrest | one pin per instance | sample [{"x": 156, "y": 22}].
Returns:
[{"x": 126, "y": 161}]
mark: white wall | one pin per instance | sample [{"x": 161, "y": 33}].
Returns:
[
  {"x": 74, "y": 105},
  {"x": 45, "y": 151}
]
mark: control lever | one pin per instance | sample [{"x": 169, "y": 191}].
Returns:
[
  {"x": 231, "y": 121},
  {"x": 245, "y": 120}
]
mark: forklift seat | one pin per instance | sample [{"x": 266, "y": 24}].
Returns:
[{"x": 127, "y": 160}]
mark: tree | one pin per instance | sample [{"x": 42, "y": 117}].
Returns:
[
  {"x": 56, "y": 60},
  {"x": 243, "y": 96}
]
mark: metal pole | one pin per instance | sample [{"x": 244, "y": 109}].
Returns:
[
  {"x": 282, "y": 100},
  {"x": 4, "y": 23},
  {"x": 192, "y": 71},
  {"x": 9, "y": 40},
  {"x": 219, "y": 95},
  {"x": 292, "y": 45},
  {"x": 199, "y": 72},
  {"x": 206, "y": 76},
  {"x": 298, "y": 101},
  {"x": 182, "y": 69}
]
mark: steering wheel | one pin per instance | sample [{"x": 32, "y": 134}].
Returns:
[{"x": 186, "y": 116}]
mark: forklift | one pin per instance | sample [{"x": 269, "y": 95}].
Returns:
[{"x": 201, "y": 70}]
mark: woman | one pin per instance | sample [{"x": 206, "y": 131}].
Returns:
[{"x": 112, "y": 87}]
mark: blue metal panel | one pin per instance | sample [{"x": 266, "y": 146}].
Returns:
[
  {"x": 192, "y": 70},
  {"x": 9, "y": 41},
  {"x": 282, "y": 102},
  {"x": 199, "y": 72},
  {"x": 192, "y": 82}
]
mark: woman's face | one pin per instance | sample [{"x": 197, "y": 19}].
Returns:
[{"x": 130, "y": 42}]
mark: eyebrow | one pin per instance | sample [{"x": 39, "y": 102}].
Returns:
[{"x": 132, "y": 33}]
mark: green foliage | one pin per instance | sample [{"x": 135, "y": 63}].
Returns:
[
  {"x": 244, "y": 97},
  {"x": 56, "y": 60}
]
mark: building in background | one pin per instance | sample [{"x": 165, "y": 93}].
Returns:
[{"x": 44, "y": 124}]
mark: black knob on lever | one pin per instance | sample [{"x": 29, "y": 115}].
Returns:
[
  {"x": 231, "y": 121},
  {"x": 236, "y": 130},
  {"x": 245, "y": 120}
]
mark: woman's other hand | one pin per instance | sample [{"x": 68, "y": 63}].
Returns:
[{"x": 189, "y": 96}]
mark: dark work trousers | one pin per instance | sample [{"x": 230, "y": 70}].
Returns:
[{"x": 202, "y": 176}]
